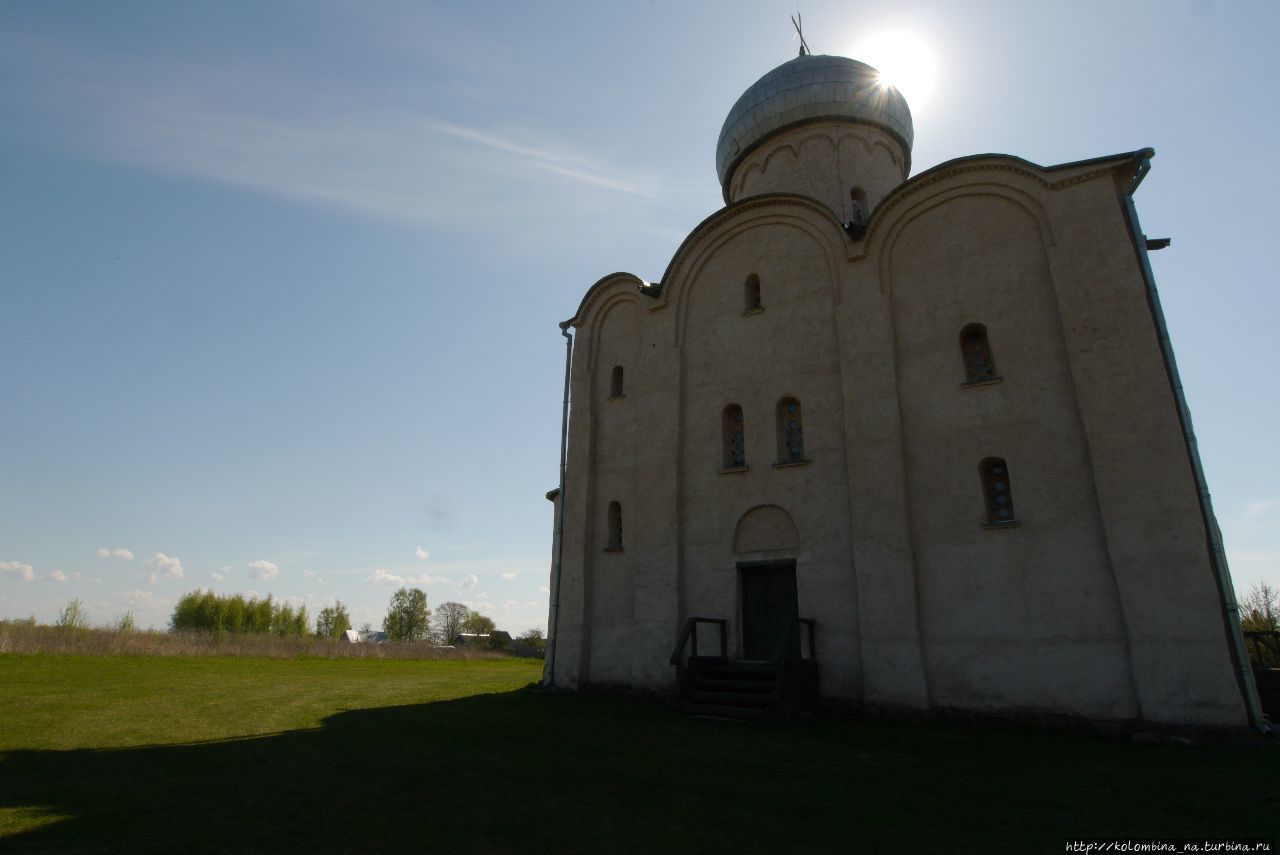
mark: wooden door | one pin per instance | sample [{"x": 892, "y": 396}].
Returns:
[{"x": 768, "y": 607}]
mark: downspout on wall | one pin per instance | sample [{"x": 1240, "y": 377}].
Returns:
[
  {"x": 1213, "y": 534},
  {"x": 553, "y": 616}
]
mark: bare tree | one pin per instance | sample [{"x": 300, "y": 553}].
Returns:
[
  {"x": 449, "y": 620},
  {"x": 1260, "y": 609}
]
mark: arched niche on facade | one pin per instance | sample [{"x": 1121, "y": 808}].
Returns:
[{"x": 766, "y": 528}]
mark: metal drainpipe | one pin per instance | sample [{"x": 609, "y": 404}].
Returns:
[
  {"x": 549, "y": 672},
  {"x": 1217, "y": 552}
]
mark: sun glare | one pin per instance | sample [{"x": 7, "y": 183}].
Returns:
[{"x": 904, "y": 61}]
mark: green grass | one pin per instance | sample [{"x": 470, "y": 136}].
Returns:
[{"x": 225, "y": 754}]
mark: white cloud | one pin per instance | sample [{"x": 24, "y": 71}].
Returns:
[
  {"x": 263, "y": 570},
  {"x": 544, "y": 589},
  {"x": 422, "y": 553},
  {"x": 508, "y": 576},
  {"x": 163, "y": 567},
  {"x": 1259, "y": 509},
  {"x": 305, "y": 600},
  {"x": 118, "y": 552},
  {"x": 24, "y": 571},
  {"x": 382, "y": 577},
  {"x": 469, "y": 582},
  {"x": 148, "y": 609},
  {"x": 56, "y": 576},
  {"x": 218, "y": 577}
]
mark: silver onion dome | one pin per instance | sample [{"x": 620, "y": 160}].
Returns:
[{"x": 810, "y": 88}]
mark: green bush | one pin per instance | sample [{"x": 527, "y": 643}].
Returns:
[
  {"x": 333, "y": 621},
  {"x": 73, "y": 617}
]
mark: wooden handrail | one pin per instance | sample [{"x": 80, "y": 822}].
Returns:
[
  {"x": 690, "y": 631},
  {"x": 781, "y": 653}
]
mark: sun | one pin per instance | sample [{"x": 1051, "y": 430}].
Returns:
[{"x": 904, "y": 61}]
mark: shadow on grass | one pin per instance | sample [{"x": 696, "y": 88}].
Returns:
[{"x": 523, "y": 771}]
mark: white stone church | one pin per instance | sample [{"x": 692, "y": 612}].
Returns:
[{"x": 890, "y": 440}]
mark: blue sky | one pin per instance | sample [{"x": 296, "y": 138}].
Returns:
[{"x": 280, "y": 281}]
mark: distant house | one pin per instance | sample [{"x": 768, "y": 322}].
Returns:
[
  {"x": 351, "y": 636},
  {"x": 365, "y": 637},
  {"x": 498, "y": 639}
]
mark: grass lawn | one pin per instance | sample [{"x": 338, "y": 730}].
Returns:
[{"x": 119, "y": 754}]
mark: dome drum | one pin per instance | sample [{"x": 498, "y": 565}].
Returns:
[{"x": 809, "y": 89}]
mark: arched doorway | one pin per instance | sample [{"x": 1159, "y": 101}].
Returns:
[{"x": 766, "y": 541}]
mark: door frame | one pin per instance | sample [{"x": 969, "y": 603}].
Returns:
[{"x": 761, "y": 564}]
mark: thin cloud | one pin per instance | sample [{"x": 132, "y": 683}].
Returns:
[
  {"x": 382, "y": 577},
  {"x": 1260, "y": 509},
  {"x": 508, "y": 576},
  {"x": 564, "y": 164},
  {"x": 56, "y": 576},
  {"x": 163, "y": 567},
  {"x": 25, "y": 572},
  {"x": 469, "y": 582},
  {"x": 118, "y": 552},
  {"x": 422, "y": 553},
  {"x": 218, "y": 577},
  {"x": 336, "y": 149},
  {"x": 148, "y": 609}
]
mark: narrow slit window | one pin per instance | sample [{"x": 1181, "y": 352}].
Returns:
[
  {"x": 734, "y": 440},
  {"x": 615, "y": 527},
  {"x": 997, "y": 491},
  {"x": 615, "y": 382},
  {"x": 790, "y": 432},
  {"x": 751, "y": 294},
  {"x": 979, "y": 364}
]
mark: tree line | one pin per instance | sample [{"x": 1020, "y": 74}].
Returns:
[
  {"x": 408, "y": 618},
  {"x": 205, "y": 611}
]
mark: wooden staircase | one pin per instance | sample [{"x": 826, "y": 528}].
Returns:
[{"x": 779, "y": 688}]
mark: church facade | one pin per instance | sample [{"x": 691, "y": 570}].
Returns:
[{"x": 934, "y": 419}]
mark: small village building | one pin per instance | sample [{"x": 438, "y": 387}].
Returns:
[
  {"x": 924, "y": 432},
  {"x": 498, "y": 639}
]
